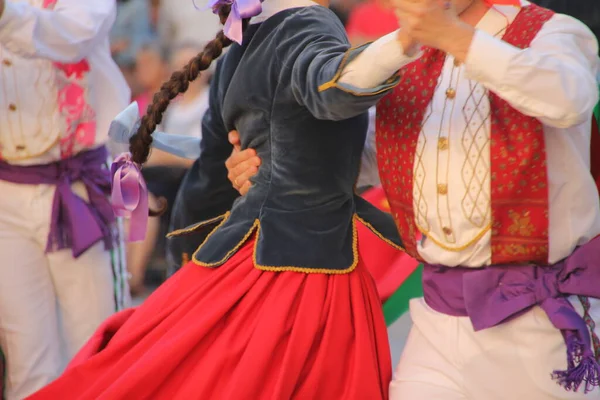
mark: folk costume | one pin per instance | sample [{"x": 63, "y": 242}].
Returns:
[
  {"x": 277, "y": 302},
  {"x": 490, "y": 161},
  {"x": 206, "y": 193},
  {"x": 397, "y": 275},
  {"x": 63, "y": 271}
]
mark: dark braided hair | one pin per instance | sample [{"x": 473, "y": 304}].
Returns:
[{"x": 141, "y": 141}]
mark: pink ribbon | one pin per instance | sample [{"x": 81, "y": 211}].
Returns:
[{"x": 129, "y": 195}]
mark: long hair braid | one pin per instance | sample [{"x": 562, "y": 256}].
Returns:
[{"x": 141, "y": 141}]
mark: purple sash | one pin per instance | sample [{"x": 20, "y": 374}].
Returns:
[
  {"x": 493, "y": 295},
  {"x": 75, "y": 224}
]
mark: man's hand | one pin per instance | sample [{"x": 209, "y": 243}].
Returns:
[
  {"x": 435, "y": 23},
  {"x": 241, "y": 165}
]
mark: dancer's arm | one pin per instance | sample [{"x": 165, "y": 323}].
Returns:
[
  {"x": 67, "y": 33},
  {"x": 327, "y": 76},
  {"x": 554, "y": 79}
]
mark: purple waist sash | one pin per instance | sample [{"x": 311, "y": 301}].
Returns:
[
  {"x": 75, "y": 224},
  {"x": 493, "y": 295}
]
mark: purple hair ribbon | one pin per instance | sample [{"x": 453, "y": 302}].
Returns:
[
  {"x": 240, "y": 10},
  {"x": 129, "y": 196}
]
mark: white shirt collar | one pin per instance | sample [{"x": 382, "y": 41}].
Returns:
[
  {"x": 498, "y": 17},
  {"x": 272, "y": 7}
]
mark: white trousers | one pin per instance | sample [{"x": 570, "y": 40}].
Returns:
[
  {"x": 444, "y": 359},
  {"x": 50, "y": 304}
]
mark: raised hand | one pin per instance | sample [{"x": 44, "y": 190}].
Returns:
[{"x": 435, "y": 23}]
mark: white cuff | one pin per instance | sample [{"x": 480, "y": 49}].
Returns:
[
  {"x": 377, "y": 63},
  {"x": 488, "y": 59}
]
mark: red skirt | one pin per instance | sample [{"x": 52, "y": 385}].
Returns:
[
  {"x": 236, "y": 332},
  {"x": 389, "y": 266}
]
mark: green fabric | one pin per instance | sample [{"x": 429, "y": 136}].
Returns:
[
  {"x": 597, "y": 109},
  {"x": 397, "y": 304}
]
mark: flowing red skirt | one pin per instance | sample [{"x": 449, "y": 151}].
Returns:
[{"x": 236, "y": 332}]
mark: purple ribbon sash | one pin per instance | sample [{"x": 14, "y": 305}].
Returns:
[
  {"x": 74, "y": 224},
  {"x": 129, "y": 195},
  {"x": 496, "y": 294}
]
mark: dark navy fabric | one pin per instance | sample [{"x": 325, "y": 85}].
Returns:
[{"x": 310, "y": 142}]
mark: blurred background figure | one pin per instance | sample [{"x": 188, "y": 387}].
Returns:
[
  {"x": 151, "y": 70},
  {"x": 164, "y": 172},
  {"x": 370, "y": 20},
  {"x": 62, "y": 270},
  {"x": 184, "y": 115},
  {"x": 131, "y": 30},
  {"x": 180, "y": 22}
]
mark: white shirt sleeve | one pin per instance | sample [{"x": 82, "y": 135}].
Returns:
[
  {"x": 377, "y": 63},
  {"x": 553, "y": 80},
  {"x": 67, "y": 33},
  {"x": 369, "y": 174}
]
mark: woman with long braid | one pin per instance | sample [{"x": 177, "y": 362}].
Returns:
[{"x": 276, "y": 303}]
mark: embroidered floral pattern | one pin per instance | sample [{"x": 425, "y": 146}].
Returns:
[
  {"x": 519, "y": 193},
  {"x": 78, "y": 117},
  {"x": 519, "y": 178}
]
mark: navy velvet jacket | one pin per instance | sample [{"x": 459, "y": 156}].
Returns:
[{"x": 280, "y": 91}]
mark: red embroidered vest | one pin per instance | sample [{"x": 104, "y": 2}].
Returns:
[
  {"x": 595, "y": 152},
  {"x": 519, "y": 189}
]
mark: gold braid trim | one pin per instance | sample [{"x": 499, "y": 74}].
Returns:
[
  {"x": 194, "y": 227},
  {"x": 379, "y": 235},
  {"x": 230, "y": 252},
  {"x": 333, "y": 83},
  {"x": 256, "y": 226}
]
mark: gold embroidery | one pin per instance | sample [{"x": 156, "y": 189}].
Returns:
[
  {"x": 456, "y": 249},
  {"x": 521, "y": 223},
  {"x": 447, "y": 226},
  {"x": 475, "y": 173}
]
